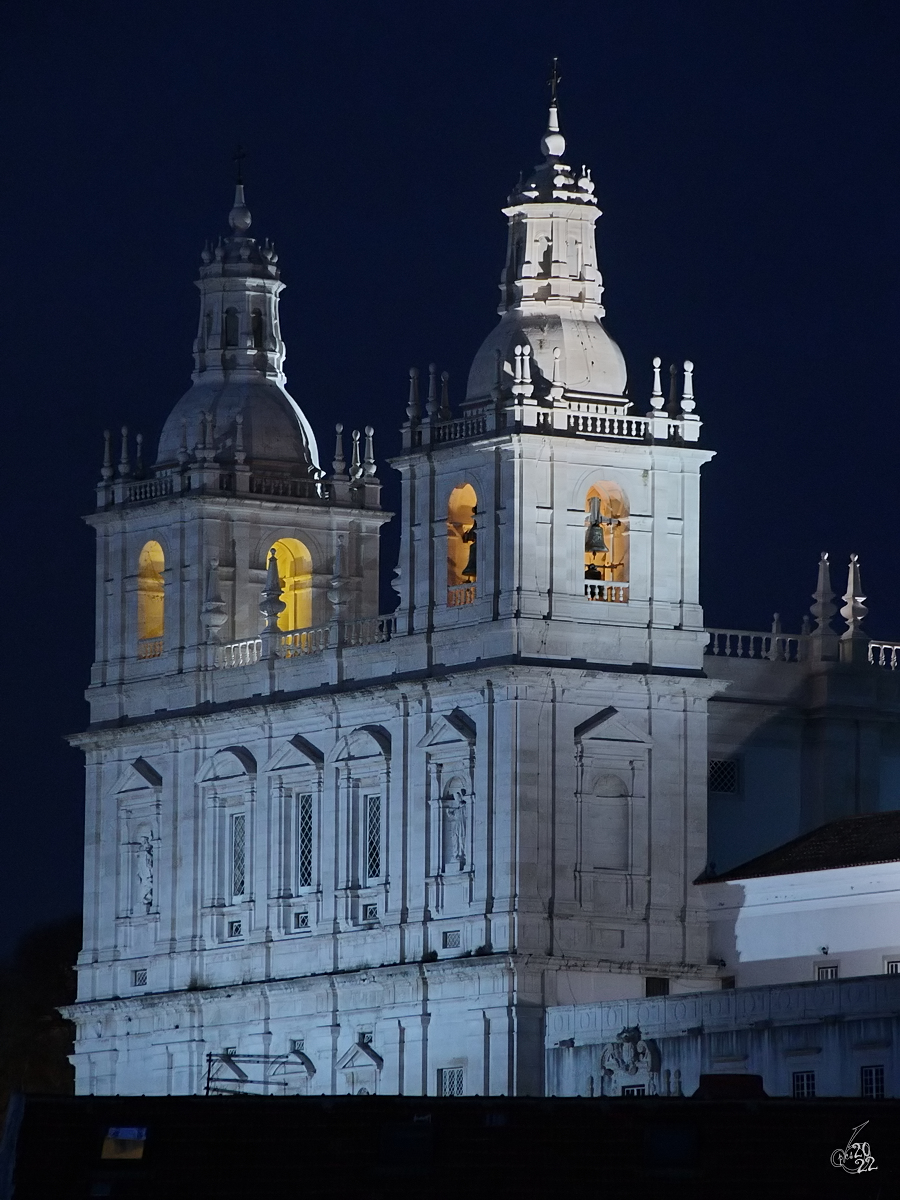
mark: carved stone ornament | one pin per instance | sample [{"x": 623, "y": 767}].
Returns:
[{"x": 629, "y": 1062}]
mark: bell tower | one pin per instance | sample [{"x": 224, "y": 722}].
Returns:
[{"x": 551, "y": 510}]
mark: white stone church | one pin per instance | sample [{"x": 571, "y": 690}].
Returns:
[{"x": 330, "y": 850}]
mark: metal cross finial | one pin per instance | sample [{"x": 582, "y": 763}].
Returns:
[
  {"x": 554, "y": 81},
  {"x": 239, "y": 155}
]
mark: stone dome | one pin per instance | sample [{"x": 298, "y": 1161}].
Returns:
[
  {"x": 275, "y": 432},
  {"x": 589, "y": 360}
]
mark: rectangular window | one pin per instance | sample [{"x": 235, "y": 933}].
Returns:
[
  {"x": 636, "y": 1089},
  {"x": 301, "y": 919},
  {"x": 235, "y": 928},
  {"x": 304, "y": 840},
  {"x": 723, "y": 776},
  {"x": 297, "y": 1045},
  {"x": 803, "y": 1085},
  {"x": 238, "y": 854},
  {"x": 872, "y": 1083},
  {"x": 450, "y": 939},
  {"x": 830, "y": 972},
  {"x": 373, "y": 837},
  {"x": 139, "y": 977},
  {"x": 370, "y": 912},
  {"x": 892, "y": 966},
  {"x": 727, "y": 982},
  {"x": 451, "y": 1081},
  {"x": 656, "y": 985},
  {"x": 365, "y": 1037}
]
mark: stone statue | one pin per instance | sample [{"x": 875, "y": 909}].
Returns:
[
  {"x": 629, "y": 1061},
  {"x": 455, "y": 829},
  {"x": 145, "y": 871}
]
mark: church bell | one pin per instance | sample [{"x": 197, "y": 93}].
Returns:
[
  {"x": 594, "y": 541},
  {"x": 470, "y": 570}
]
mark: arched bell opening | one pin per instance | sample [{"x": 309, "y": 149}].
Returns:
[
  {"x": 462, "y": 545},
  {"x": 151, "y": 601},
  {"x": 294, "y": 563},
  {"x": 606, "y": 543}
]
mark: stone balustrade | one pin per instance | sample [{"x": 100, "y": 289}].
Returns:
[
  {"x": 298, "y": 643},
  {"x": 746, "y": 643}
]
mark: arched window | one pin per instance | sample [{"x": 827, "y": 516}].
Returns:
[
  {"x": 295, "y": 572},
  {"x": 462, "y": 545},
  {"x": 231, "y": 327},
  {"x": 258, "y": 329},
  {"x": 606, "y": 544},
  {"x": 151, "y": 601},
  {"x": 605, "y": 814}
]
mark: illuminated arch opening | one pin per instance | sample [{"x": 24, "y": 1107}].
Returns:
[
  {"x": 606, "y": 543},
  {"x": 462, "y": 545},
  {"x": 151, "y": 600},
  {"x": 295, "y": 572}
]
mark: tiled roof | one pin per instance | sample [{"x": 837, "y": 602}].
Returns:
[{"x": 848, "y": 842}]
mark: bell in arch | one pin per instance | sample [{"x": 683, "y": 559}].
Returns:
[
  {"x": 594, "y": 541},
  {"x": 470, "y": 570}
]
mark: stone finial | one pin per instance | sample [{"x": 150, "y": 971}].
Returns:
[
  {"x": 553, "y": 144},
  {"x": 656, "y": 397},
  {"x": 338, "y": 464},
  {"x": 557, "y": 387},
  {"x": 854, "y": 611},
  {"x": 687, "y": 396},
  {"x": 369, "y": 459},
  {"x": 183, "y": 452},
  {"x": 240, "y": 455},
  {"x": 413, "y": 409},
  {"x": 431, "y": 404},
  {"x": 355, "y": 465},
  {"x": 271, "y": 604},
  {"x": 824, "y": 607},
  {"x": 213, "y": 613},
  {"x": 673, "y": 408},
  {"x": 444, "y": 413},
  {"x": 106, "y": 471},
  {"x": 124, "y": 458},
  {"x": 139, "y": 454}
]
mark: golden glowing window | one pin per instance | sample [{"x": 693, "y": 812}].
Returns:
[
  {"x": 151, "y": 600},
  {"x": 295, "y": 572},
  {"x": 462, "y": 545},
  {"x": 606, "y": 544}
]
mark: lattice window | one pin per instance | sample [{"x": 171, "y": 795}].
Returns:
[
  {"x": 803, "y": 1085},
  {"x": 235, "y": 928},
  {"x": 723, "y": 776},
  {"x": 370, "y": 912},
  {"x": 451, "y": 939},
  {"x": 238, "y": 854},
  {"x": 831, "y": 972},
  {"x": 139, "y": 977},
  {"x": 304, "y": 840},
  {"x": 451, "y": 1081},
  {"x": 373, "y": 837},
  {"x": 872, "y": 1083},
  {"x": 301, "y": 919},
  {"x": 297, "y": 1045}
]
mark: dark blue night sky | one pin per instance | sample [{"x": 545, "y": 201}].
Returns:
[{"x": 746, "y": 161}]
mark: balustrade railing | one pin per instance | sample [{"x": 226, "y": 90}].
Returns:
[
  {"x": 298, "y": 643},
  {"x": 464, "y": 593},
  {"x": 610, "y": 593},
  {"x": 745, "y": 643},
  {"x": 239, "y": 654},
  {"x": 149, "y": 489},
  {"x": 150, "y": 647},
  {"x": 885, "y": 654},
  {"x": 634, "y": 428},
  {"x": 464, "y": 427}
]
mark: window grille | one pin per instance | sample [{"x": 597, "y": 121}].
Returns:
[
  {"x": 823, "y": 973},
  {"x": 373, "y": 837},
  {"x": 656, "y": 985},
  {"x": 803, "y": 1085},
  {"x": 872, "y": 1083},
  {"x": 366, "y": 1037},
  {"x": 451, "y": 1081},
  {"x": 304, "y": 841},
  {"x": 892, "y": 967},
  {"x": 238, "y": 853},
  {"x": 139, "y": 977},
  {"x": 301, "y": 919},
  {"x": 297, "y": 1045},
  {"x": 451, "y": 939},
  {"x": 235, "y": 928},
  {"x": 723, "y": 776},
  {"x": 634, "y": 1089},
  {"x": 370, "y": 912}
]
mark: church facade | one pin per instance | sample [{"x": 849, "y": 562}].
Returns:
[{"x": 333, "y": 850}]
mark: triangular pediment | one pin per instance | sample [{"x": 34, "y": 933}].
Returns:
[
  {"x": 359, "y": 1055},
  {"x": 138, "y": 776},
  {"x": 295, "y": 753},
  {"x": 608, "y": 725},
  {"x": 228, "y": 763},
  {"x": 455, "y": 727}
]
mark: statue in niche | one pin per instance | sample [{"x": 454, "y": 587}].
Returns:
[
  {"x": 145, "y": 871},
  {"x": 629, "y": 1061},
  {"x": 455, "y": 829}
]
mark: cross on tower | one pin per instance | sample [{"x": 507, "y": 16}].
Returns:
[
  {"x": 554, "y": 80},
  {"x": 239, "y": 155}
]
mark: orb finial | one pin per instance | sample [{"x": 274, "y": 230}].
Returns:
[{"x": 553, "y": 144}]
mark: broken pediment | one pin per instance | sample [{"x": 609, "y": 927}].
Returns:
[
  {"x": 608, "y": 725},
  {"x": 138, "y": 776},
  {"x": 454, "y": 728},
  {"x": 296, "y": 752},
  {"x": 359, "y": 1055}
]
